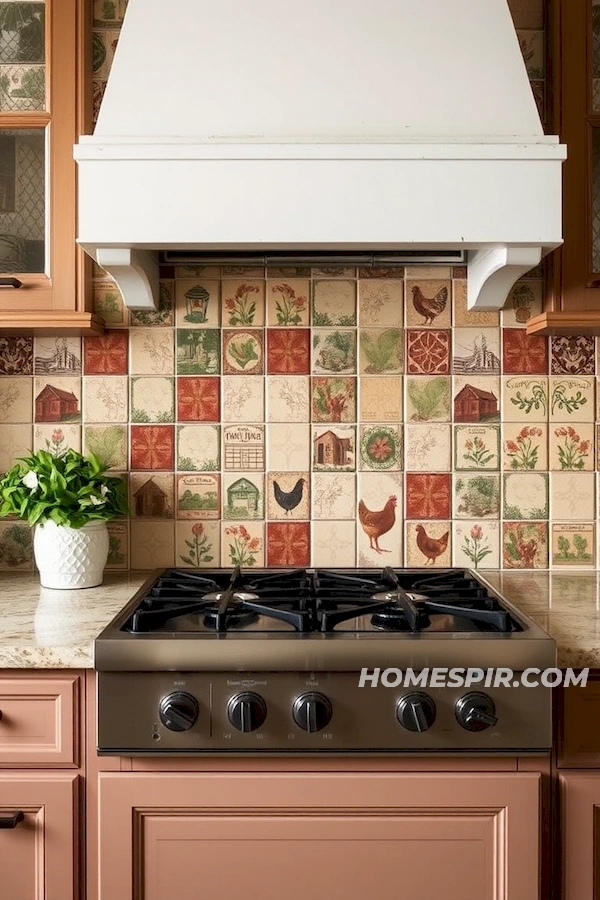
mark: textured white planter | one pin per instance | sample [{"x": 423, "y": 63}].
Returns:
[{"x": 70, "y": 557}]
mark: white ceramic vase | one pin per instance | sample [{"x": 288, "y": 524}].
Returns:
[{"x": 71, "y": 557}]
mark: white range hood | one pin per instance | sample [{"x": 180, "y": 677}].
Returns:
[{"x": 267, "y": 125}]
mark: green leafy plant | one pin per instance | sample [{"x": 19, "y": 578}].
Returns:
[
  {"x": 382, "y": 352},
  {"x": 243, "y": 352},
  {"x": 70, "y": 489},
  {"x": 430, "y": 401}
]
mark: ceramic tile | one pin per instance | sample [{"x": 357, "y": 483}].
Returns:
[
  {"x": 525, "y": 545},
  {"x": 242, "y": 272},
  {"x": 118, "y": 545},
  {"x": 288, "y": 302},
  {"x": 333, "y": 271},
  {"x": 243, "y": 495},
  {"x": 197, "y": 545},
  {"x": 56, "y": 399},
  {"x": 152, "y": 399},
  {"x": 198, "y": 399},
  {"x": 198, "y": 496},
  {"x": 419, "y": 272},
  {"x": 288, "y": 398},
  {"x": 527, "y": 14},
  {"x": 16, "y": 356},
  {"x": 381, "y": 302},
  {"x": 333, "y": 352},
  {"x": 105, "y": 398},
  {"x": 381, "y": 351},
  {"x": 524, "y": 301},
  {"x": 57, "y": 356},
  {"x": 394, "y": 272},
  {"x": 572, "y": 356},
  {"x": 572, "y": 496},
  {"x": 476, "y": 496},
  {"x": 288, "y": 351},
  {"x": 108, "y": 303},
  {"x": 152, "y": 447},
  {"x": 572, "y": 447},
  {"x": 476, "y": 447},
  {"x": 152, "y": 544},
  {"x": 572, "y": 398},
  {"x": 243, "y": 303},
  {"x": 57, "y": 438},
  {"x": 16, "y": 547},
  {"x": 334, "y": 302},
  {"x": 428, "y": 544},
  {"x": 334, "y": 544},
  {"x": 525, "y": 447},
  {"x": 244, "y": 447},
  {"x": 476, "y": 351},
  {"x": 243, "y": 352},
  {"x": 428, "y": 398},
  {"x": 525, "y": 399},
  {"x": 198, "y": 351},
  {"x": 380, "y": 448},
  {"x": 427, "y": 351},
  {"x": 277, "y": 273},
  {"x": 106, "y": 14},
  {"x": 381, "y": 398},
  {"x": 481, "y": 318},
  {"x": 197, "y": 302},
  {"x": 288, "y": 495},
  {"x": 198, "y": 448},
  {"x": 526, "y": 495},
  {"x": 532, "y": 48},
  {"x": 243, "y": 398},
  {"x": 243, "y": 544},
  {"x": 379, "y": 519},
  {"x": 428, "y": 495},
  {"x": 334, "y": 495},
  {"x": 334, "y": 399},
  {"x": 288, "y": 447},
  {"x": 334, "y": 448},
  {"x": 524, "y": 354},
  {"x": 163, "y": 316},
  {"x": 573, "y": 545},
  {"x": 151, "y": 496},
  {"x": 427, "y": 448},
  {"x": 197, "y": 271},
  {"x": 428, "y": 303},
  {"x": 476, "y": 544},
  {"x": 15, "y": 400},
  {"x": 288, "y": 543},
  {"x": 106, "y": 354},
  {"x": 476, "y": 398},
  {"x": 109, "y": 443},
  {"x": 152, "y": 351}
]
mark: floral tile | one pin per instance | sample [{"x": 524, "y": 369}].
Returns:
[
  {"x": 243, "y": 399},
  {"x": 572, "y": 447},
  {"x": 524, "y": 301},
  {"x": 476, "y": 496},
  {"x": 198, "y": 302},
  {"x": 572, "y": 356},
  {"x": 288, "y": 495},
  {"x": 428, "y": 544},
  {"x": 333, "y": 495},
  {"x": 428, "y": 398},
  {"x": 105, "y": 398},
  {"x": 532, "y": 48},
  {"x": 243, "y": 495},
  {"x": 106, "y": 354},
  {"x": 427, "y": 351},
  {"x": 381, "y": 351},
  {"x": 572, "y": 398},
  {"x": 428, "y": 448},
  {"x": 476, "y": 398},
  {"x": 428, "y": 303},
  {"x": 334, "y": 544},
  {"x": 289, "y": 447},
  {"x": 197, "y": 544},
  {"x": 476, "y": 351},
  {"x": 427, "y": 495},
  {"x": 152, "y": 399},
  {"x": 198, "y": 399},
  {"x": 333, "y": 351},
  {"x": 15, "y": 400},
  {"x": 525, "y": 399},
  {"x": 526, "y": 496},
  {"x": 118, "y": 545},
  {"x": 108, "y": 303},
  {"x": 198, "y": 351},
  {"x": 380, "y": 448},
  {"x": 243, "y": 544},
  {"x": 334, "y": 448},
  {"x": 109, "y": 443},
  {"x": 16, "y": 442},
  {"x": 198, "y": 496},
  {"x": 163, "y": 316},
  {"x": 152, "y": 544},
  {"x": 16, "y": 547},
  {"x": 334, "y": 399},
  {"x": 477, "y": 544},
  {"x": 243, "y": 352},
  {"x": 244, "y": 447},
  {"x": 288, "y": 351},
  {"x": 482, "y": 318},
  {"x": 16, "y": 356},
  {"x": 57, "y": 356},
  {"x": 56, "y": 399},
  {"x": 524, "y": 354},
  {"x": 525, "y": 447},
  {"x": 57, "y": 438},
  {"x": 525, "y": 545},
  {"x": 379, "y": 513},
  {"x": 152, "y": 447},
  {"x": 243, "y": 303},
  {"x": 381, "y": 302},
  {"x": 381, "y": 398},
  {"x": 476, "y": 447},
  {"x": 573, "y": 545},
  {"x": 334, "y": 302},
  {"x": 572, "y": 496},
  {"x": 288, "y": 302},
  {"x": 198, "y": 448},
  {"x": 288, "y": 398},
  {"x": 152, "y": 351},
  {"x": 151, "y": 496},
  {"x": 288, "y": 544}
]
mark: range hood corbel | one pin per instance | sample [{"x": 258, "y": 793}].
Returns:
[
  {"x": 135, "y": 272},
  {"x": 493, "y": 272}
]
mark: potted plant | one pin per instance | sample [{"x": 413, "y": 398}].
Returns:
[{"x": 67, "y": 499}]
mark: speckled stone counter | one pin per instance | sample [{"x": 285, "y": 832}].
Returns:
[{"x": 40, "y": 628}]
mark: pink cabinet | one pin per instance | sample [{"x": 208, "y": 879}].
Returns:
[
  {"x": 268, "y": 835},
  {"x": 580, "y": 827}
]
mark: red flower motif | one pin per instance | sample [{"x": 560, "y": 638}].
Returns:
[
  {"x": 198, "y": 529},
  {"x": 198, "y": 399},
  {"x": 288, "y": 544},
  {"x": 524, "y": 354},
  {"x": 427, "y": 496},
  {"x": 288, "y": 351},
  {"x": 380, "y": 449},
  {"x": 106, "y": 354},
  {"x": 152, "y": 447},
  {"x": 476, "y": 532}
]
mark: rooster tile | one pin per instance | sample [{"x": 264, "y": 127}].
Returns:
[
  {"x": 428, "y": 544},
  {"x": 288, "y": 495},
  {"x": 379, "y": 513},
  {"x": 428, "y": 303}
]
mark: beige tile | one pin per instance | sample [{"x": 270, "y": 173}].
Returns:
[
  {"x": 419, "y": 272},
  {"x": 524, "y": 398},
  {"x": 197, "y": 544},
  {"x": 476, "y": 496},
  {"x": 198, "y": 448},
  {"x": 198, "y": 497},
  {"x": 333, "y": 352},
  {"x": 105, "y": 398},
  {"x": 334, "y": 495},
  {"x": 428, "y": 544},
  {"x": 573, "y": 545},
  {"x": 428, "y": 448},
  {"x": 243, "y": 495},
  {"x": 381, "y": 302},
  {"x": 476, "y": 545},
  {"x": 572, "y": 446},
  {"x": 526, "y": 495},
  {"x": 288, "y": 302},
  {"x": 334, "y": 543},
  {"x": 428, "y": 303},
  {"x": 152, "y": 399},
  {"x": 525, "y": 447},
  {"x": 482, "y": 318},
  {"x": 151, "y": 496},
  {"x": 476, "y": 447},
  {"x": 16, "y": 400},
  {"x": 381, "y": 351},
  {"x": 197, "y": 302},
  {"x": 288, "y": 447},
  {"x": 572, "y": 496},
  {"x": 58, "y": 356},
  {"x": 428, "y": 398},
  {"x": 288, "y": 495},
  {"x": 476, "y": 351},
  {"x": 152, "y": 544},
  {"x": 288, "y": 398},
  {"x": 334, "y": 302},
  {"x": 56, "y": 438},
  {"x": 243, "y": 544},
  {"x": 523, "y": 302},
  {"x": 380, "y": 499},
  {"x": 242, "y": 303},
  {"x": 334, "y": 448},
  {"x": 243, "y": 398},
  {"x": 108, "y": 303},
  {"x": 118, "y": 545},
  {"x": 381, "y": 398},
  {"x": 109, "y": 443},
  {"x": 244, "y": 447},
  {"x": 152, "y": 351},
  {"x": 572, "y": 398},
  {"x": 17, "y": 440}
]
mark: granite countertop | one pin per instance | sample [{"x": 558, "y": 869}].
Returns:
[{"x": 41, "y": 628}]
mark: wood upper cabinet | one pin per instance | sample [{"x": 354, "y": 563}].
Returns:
[
  {"x": 460, "y": 836},
  {"x": 43, "y": 108}
]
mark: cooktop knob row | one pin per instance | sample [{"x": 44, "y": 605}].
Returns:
[
  {"x": 178, "y": 711},
  {"x": 476, "y": 711},
  {"x": 312, "y": 711},
  {"x": 416, "y": 711},
  {"x": 247, "y": 711}
]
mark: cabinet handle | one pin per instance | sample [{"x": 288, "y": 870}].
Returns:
[
  {"x": 12, "y": 821},
  {"x": 11, "y": 282}
]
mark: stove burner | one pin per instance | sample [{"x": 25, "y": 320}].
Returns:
[{"x": 235, "y": 617}]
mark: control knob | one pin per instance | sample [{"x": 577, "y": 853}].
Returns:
[
  {"x": 416, "y": 711},
  {"x": 312, "y": 711},
  {"x": 476, "y": 711},
  {"x": 178, "y": 711},
  {"x": 247, "y": 711}
]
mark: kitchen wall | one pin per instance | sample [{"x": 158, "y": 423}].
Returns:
[{"x": 324, "y": 416}]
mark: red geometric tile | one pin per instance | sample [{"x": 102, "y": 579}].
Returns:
[
  {"x": 198, "y": 399},
  {"x": 288, "y": 351},
  {"x": 427, "y": 496},
  {"x": 152, "y": 447},
  {"x": 106, "y": 354},
  {"x": 288, "y": 544},
  {"x": 427, "y": 351},
  {"x": 524, "y": 354}
]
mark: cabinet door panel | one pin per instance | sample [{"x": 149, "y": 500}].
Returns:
[{"x": 38, "y": 723}]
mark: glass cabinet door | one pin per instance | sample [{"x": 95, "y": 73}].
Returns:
[{"x": 22, "y": 200}]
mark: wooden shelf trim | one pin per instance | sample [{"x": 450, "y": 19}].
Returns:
[{"x": 50, "y": 322}]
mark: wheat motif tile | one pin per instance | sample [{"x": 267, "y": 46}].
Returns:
[
  {"x": 334, "y": 399},
  {"x": 106, "y": 354},
  {"x": 57, "y": 356},
  {"x": 572, "y": 496},
  {"x": 525, "y": 399},
  {"x": 525, "y": 447},
  {"x": 197, "y": 302},
  {"x": 243, "y": 303},
  {"x": 428, "y": 398},
  {"x": 152, "y": 399},
  {"x": 573, "y": 545},
  {"x": 334, "y": 352},
  {"x": 152, "y": 351},
  {"x": 288, "y": 302},
  {"x": 572, "y": 447},
  {"x": 334, "y": 544},
  {"x": 16, "y": 547},
  {"x": 427, "y": 351},
  {"x": 476, "y": 398},
  {"x": 57, "y": 438},
  {"x": 380, "y": 448},
  {"x": 108, "y": 303},
  {"x": 105, "y": 398},
  {"x": 526, "y": 495},
  {"x": 198, "y": 448},
  {"x": 15, "y": 400},
  {"x": 151, "y": 496},
  {"x": 244, "y": 447},
  {"x": 56, "y": 399},
  {"x": 428, "y": 448},
  {"x": 573, "y": 355},
  {"x": 289, "y": 399},
  {"x": 427, "y": 495},
  {"x": 288, "y": 495},
  {"x": 288, "y": 544},
  {"x": 197, "y": 544},
  {"x": 109, "y": 443},
  {"x": 379, "y": 515},
  {"x": 481, "y": 318},
  {"x": 524, "y": 354},
  {"x": 476, "y": 496},
  {"x": 334, "y": 448},
  {"x": 198, "y": 496},
  {"x": 163, "y": 315},
  {"x": 198, "y": 399},
  {"x": 477, "y": 544},
  {"x": 16, "y": 442},
  {"x": 16, "y": 356},
  {"x": 333, "y": 495},
  {"x": 429, "y": 544},
  {"x": 381, "y": 351},
  {"x": 525, "y": 545},
  {"x": 152, "y": 544},
  {"x": 243, "y": 544},
  {"x": 428, "y": 303},
  {"x": 524, "y": 301},
  {"x": 334, "y": 302},
  {"x": 288, "y": 447},
  {"x": 288, "y": 351},
  {"x": 381, "y": 302},
  {"x": 476, "y": 351},
  {"x": 381, "y": 398},
  {"x": 572, "y": 398},
  {"x": 243, "y": 495},
  {"x": 476, "y": 447},
  {"x": 118, "y": 545},
  {"x": 152, "y": 447},
  {"x": 243, "y": 398}
]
